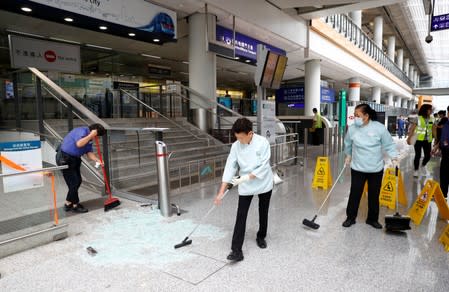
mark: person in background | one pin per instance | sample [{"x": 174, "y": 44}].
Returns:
[
  {"x": 75, "y": 144},
  {"x": 401, "y": 126},
  {"x": 251, "y": 155},
  {"x": 423, "y": 130},
  {"x": 365, "y": 144},
  {"x": 444, "y": 147},
  {"x": 317, "y": 124},
  {"x": 442, "y": 119}
]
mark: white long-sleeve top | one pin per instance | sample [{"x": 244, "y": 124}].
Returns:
[{"x": 252, "y": 158}]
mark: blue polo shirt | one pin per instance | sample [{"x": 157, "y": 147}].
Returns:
[{"x": 69, "y": 143}]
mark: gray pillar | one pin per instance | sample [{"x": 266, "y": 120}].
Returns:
[
  {"x": 400, "y": 59},
  {"x": 404, "y": 103},
  {"x": 312, "y": 86},
  {"x": 398, "y": 101},
  {"x": 389, "y": 100},
  {"x": 356, "y": 17},
  {"x": 411, "y": 69},
  {"x": 354, "y": 89},
  {"x": 406, "y": 66},
  {"x": 376, "y": 93},
  {"x": 417, "y": 79},
  {"x": 391, "y": 47},
  {"x": 202, "y": 67},
  {"x": 378, "y": 31}
]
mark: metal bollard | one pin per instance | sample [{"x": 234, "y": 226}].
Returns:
[{"x": 163, "y": 179}]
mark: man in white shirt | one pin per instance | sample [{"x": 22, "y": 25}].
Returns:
[{"x": 251, "y": 155}]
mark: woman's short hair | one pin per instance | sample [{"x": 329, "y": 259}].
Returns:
[
  {"x": 424, "y": 109},
  {"x": 100, "y": 129},
  {"x": 242, "y": 125}
]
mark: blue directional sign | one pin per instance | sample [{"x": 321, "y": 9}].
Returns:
[{"x": 440, "y": 22}]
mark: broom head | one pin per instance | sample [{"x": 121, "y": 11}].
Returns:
[{"x": 397, "y": 222}]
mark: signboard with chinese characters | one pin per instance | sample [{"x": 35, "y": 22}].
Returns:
[
  {"x": 140, "y": 15},
  {"x": 26, "y": 154},
  {"x": 44, "y": 55},
  {"x": 245, "y": 46},
  {"x": 295, "y": 96},
  {"x": 268, "y": 127},
  {"x": 440, "y": 22},
  {"x": 327, "y": 95}
]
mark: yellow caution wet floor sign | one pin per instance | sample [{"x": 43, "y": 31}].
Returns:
[
  {"x": 431, "y": 190},
  {"x": 322, "y": 177},
  {"x": 444, "y": 238},
  {"x": 387, "y": 195}
]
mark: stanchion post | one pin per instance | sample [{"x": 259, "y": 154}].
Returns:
[{"x": 163, "y": 179}]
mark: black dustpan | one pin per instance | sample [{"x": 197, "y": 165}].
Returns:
[{"x": 397, "y": 222}]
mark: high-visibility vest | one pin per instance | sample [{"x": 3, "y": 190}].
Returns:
[
  {"x": 422, "y": 127},
  {"x": 318, "y": 121}
]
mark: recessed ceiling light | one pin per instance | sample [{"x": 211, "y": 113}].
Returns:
[
  {"x": 156, "y": 40},
  {"x": 237, "y": 58},
  {"x": 131, "y": 34},
  {"x": 26, "y": 9},
  {"x": 68, "y": 19},
  {"x": 247, "y": 61},
  {"x": 102, "y": 27}
]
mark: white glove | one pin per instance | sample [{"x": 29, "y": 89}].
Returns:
[
  {"x": 239, "y": 179},
  {"x": 395, "y": 163},
  {"x": 348, "y": 160}
]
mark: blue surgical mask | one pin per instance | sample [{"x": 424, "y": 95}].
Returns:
[{"x": 358, "y": 121}]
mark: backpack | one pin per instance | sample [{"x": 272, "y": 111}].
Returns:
[{"x": 444, "y": 140}]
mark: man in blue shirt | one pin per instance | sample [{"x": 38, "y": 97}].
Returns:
[
  {"x": 75, "y": 144},
  {"x": 251, "y": 155},
  {"x": 401, "y": 127}
]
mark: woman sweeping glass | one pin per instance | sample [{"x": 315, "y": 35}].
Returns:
[{"x": 365, "y": 143}]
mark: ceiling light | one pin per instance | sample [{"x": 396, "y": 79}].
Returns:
[
  {"x": 150, "y": 56},
  {"x": 102, "y": 27},
  {"x": 26, "y": 9},
  {"x": 98, "y": 47},
  {"x": 186, "y": 62},
  {"x": 237, "y": 58},
  {"x": 156, "y": 40},
  {"x": 247, "y": 61},
  {"x": 68, "y": 19},
  {"x": 131, "y": 34}
]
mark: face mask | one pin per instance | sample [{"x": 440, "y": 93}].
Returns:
[{"x": 358, "y": 121}]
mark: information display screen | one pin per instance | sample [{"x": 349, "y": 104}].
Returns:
[
  {"x": 269, "y": 69},
  {"x": 279, "y": 72}
]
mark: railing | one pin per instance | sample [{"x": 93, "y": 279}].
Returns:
[{"x": 344, "y": 25}]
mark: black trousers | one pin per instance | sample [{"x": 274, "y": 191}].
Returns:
[
  {"x": 427, "y": 146},
  {"x": 358, "y": 180},
  {"x": 242, "y": 214},
  {"x": 444, "y": 171},
  {"x": 72, "y": 177}
]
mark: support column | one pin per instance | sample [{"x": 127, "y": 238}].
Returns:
[
  {"x": 417, "y": 79},
  {"x": 398, "y": 101},
  {"x": 356, "y": 17},
  {"x": 400, "y": 59},
  {"x": 411, "y": 69},
  {"x": 202, "y": 66},
  {"x": 378, "y": 31},
  {"x": 389, "y": 100},
  {"x": 406, "y": 66},
  {"x": 354, "y": 89},
  {"x": 376, "y": 92},
  {"x": 391, "y": 47},
  {"x": 404, "y": 103},
  {"x": 312, "y": 86}
]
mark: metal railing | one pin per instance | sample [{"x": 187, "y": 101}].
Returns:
[{"x": 344, "y": 25}]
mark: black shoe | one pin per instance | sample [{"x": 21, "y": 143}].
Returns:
[
  {"x": 235, "y": 256},
  {"x": 68, "y": 207},
  {"x": 348, "y": 222},
  {"x": 375, "y": 224},
  {"x": 261, "y": 243},
  {"x": 78, "y": 208}
]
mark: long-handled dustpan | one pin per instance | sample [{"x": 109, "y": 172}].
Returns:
[
  {"x": 311, "y": 223},
  {"x": 397, "y": 222},
  {"x": 188, "y": 241}
]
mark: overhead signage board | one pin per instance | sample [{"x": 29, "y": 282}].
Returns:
[
  {"x": 44, "y": 55},
  {"x": 295, "y": 96},
  {"x": 245, "y": 46},
  {"x": 440, "y": 22},
  {"x": 137, "y": 14}
]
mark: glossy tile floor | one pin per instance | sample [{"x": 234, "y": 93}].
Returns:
[{"x": 135, "y": 251}]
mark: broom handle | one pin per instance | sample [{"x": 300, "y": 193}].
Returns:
[
  {"x": 396, "y": 172},
  {"x": 332, "y": 188},
  {"x": 207, "y": 214},
  {"x": 106, "y": 182}
]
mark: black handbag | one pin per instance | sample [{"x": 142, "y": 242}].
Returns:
[{"x": 60, "y": 157}]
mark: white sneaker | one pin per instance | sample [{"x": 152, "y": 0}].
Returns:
[{"x": 415, "y": 173}]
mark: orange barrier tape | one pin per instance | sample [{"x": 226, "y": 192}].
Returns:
[{"x": 11, "y": 164}]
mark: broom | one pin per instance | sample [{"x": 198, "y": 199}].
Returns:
[
  {"x": 397, "y": 222},
  {"x": 110, "y": 202}
]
